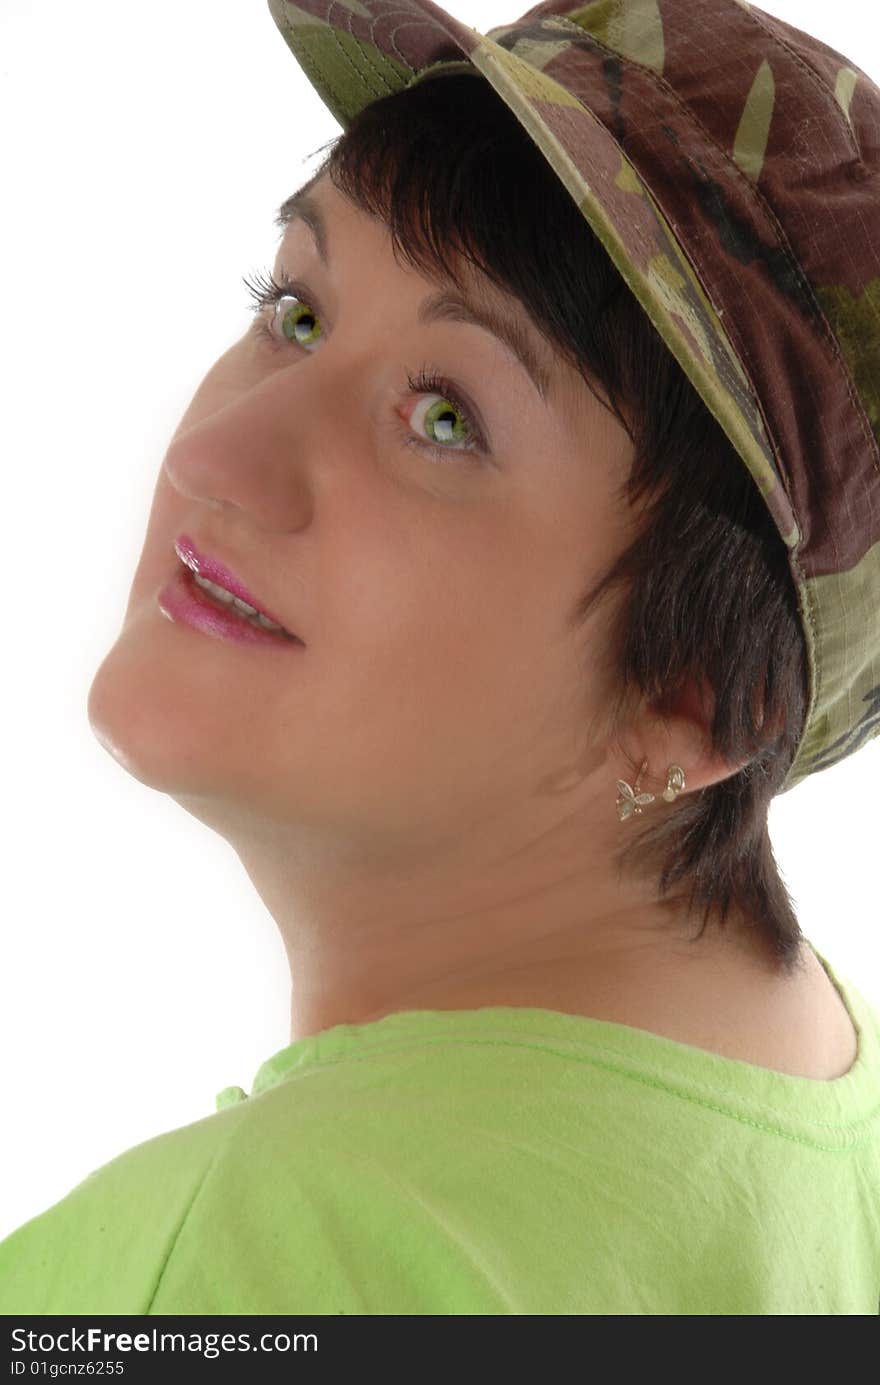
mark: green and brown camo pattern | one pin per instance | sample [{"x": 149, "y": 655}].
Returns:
[{"x": 730, "y": 165}]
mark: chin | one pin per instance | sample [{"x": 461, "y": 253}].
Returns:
[{"x": 140, "y": 718}]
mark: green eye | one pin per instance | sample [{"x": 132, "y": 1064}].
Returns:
[
  {"x": 449, "y": 421},
  {"x": 298, "y": 323},
  {"x": 445, "y": 423}
]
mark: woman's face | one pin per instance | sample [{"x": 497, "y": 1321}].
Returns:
[{"x": 431, "y": 572}]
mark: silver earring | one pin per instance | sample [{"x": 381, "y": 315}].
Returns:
[{"x": 631, "y": 800}]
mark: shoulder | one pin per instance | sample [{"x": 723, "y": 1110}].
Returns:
[{"x": 100, "y": 1248}]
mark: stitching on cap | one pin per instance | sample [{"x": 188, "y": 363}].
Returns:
[
  {"x": 317, "y": 78},
  {"x": 634, "y": 232},
  {"x": 756, "y": 194},
  {"x": 348, "y": 16},
  {"x": 815, "y": 78},
  {"x": 347, "y": 58},
  {"x": 410, "y": 19},
  {"x": 746, "y": 359}
]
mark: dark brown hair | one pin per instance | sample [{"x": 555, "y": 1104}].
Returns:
[{"x": 705, "y": 589}]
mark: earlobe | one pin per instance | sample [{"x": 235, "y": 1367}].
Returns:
[{"x": 631, "y": 799}]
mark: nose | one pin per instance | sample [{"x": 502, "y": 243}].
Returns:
[{"x": 251, "y": 440}]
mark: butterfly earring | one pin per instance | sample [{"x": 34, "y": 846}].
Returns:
[{"x": 631, "y": 801}]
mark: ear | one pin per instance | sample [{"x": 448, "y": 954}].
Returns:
[{"x": 676, "y": 735}]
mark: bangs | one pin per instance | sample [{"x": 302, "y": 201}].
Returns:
[{"x": 457, "y": 181}]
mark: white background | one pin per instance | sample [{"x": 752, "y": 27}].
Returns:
[{"x": 145, "y": 151}]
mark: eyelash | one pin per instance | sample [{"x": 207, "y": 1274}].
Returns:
[{"x": 266, "y": 291}]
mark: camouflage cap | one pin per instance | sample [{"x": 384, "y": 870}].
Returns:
[{"x": 729, "y": 164}]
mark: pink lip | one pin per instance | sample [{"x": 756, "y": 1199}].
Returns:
[
  {"x": 184, "y": 602},
  {"x": 215, "y": 571}
]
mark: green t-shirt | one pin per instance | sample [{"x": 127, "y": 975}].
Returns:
[{"x": 499, "y": 1160}]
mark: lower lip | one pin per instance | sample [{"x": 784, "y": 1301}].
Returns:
[{"x": 183, "y": 600}]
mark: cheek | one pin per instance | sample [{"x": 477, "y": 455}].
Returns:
[{"x": 443, "y": 675}]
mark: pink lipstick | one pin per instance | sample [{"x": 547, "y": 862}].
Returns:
[{"x": 183, "y": 599}]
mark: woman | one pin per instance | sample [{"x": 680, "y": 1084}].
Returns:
[{"x": 538, "y": 508}]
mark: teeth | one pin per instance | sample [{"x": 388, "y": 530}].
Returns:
[
  {"x": 267, "y": 624},
  {"x": 244, "y": 607},
  {"x": 226, "y": 597},
  {"x": 249, "y": 612}
]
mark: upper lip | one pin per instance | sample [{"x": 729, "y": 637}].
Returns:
[{"x": 206, "y": 566}]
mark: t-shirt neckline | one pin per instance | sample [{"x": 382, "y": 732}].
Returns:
[{"x": 846, "y": 1101}]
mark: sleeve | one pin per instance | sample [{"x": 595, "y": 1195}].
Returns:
[{"x": 102, "y": 1247}]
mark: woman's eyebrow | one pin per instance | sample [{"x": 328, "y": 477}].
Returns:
[
  {"x": 448, "y": 306},
  {"x": 300, "y": 207},
  {"x": 443, "y": 306}
]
